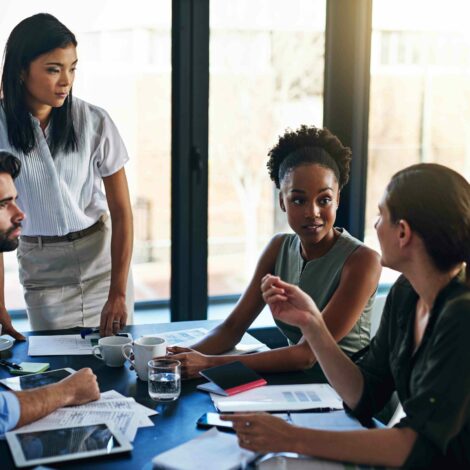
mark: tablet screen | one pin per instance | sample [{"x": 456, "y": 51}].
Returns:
[
  {"x": 26, "y": 382},
  {"x": 45, "y": 378},
  {"x": 67, "y": 441}
]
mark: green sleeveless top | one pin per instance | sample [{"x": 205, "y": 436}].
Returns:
[{"x": 320, "y": 278}]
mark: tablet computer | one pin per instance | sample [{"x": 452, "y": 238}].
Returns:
[
  {"x": 25, "y": 382},
  {"x": 30, "y": 448}
]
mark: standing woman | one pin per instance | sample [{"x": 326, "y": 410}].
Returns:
[
  {"x": 73, "y": 267},
  {"x": 421, "y": 349}
]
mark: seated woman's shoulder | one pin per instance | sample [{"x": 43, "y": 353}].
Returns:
[
  {"x": 364, "y": 258},
  {"x": 276, "y": 242}
]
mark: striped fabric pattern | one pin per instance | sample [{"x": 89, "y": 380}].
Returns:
[{"x": 63, "y": 193}]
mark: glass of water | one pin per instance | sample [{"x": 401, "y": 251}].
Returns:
[{"x": 164, "y": 379}]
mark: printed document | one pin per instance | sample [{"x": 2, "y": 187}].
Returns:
[
  {"x": 123, "y": 412},
  {"x": 281, "y": 398},
  {"x": 333, "y": 421},
  {"x": 59, "y": 345},
  {"x": 125, "y": 421},
  {"x": 114, "y": 401},
  {"x": 291, "y": 461},
  {"x": 213, "y": 450},
  {"x": 186, "y": 338}
]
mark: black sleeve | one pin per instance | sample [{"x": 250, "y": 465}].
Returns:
[
  {"x": 375, "y": 368},
  {"x": 439, "y": 408}
]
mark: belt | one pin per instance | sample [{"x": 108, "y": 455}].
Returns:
[{"x": 70, "y": 237}]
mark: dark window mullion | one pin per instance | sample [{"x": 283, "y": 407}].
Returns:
[
  {"x": 190, "y": 91},
  {"x": 346, "y": 98}
]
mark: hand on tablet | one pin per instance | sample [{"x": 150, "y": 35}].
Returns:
[
  {"x": 76, "y": 389},
  {"x": 80, "y": 388}
]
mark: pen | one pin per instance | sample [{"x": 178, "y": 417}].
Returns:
[
  {"x": 324, "y": 410},
  {"x": 12, "y": 365},
  {"x": 88, "y": 331}
]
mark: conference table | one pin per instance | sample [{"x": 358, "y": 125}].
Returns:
[{"x": 175, "y": 423}]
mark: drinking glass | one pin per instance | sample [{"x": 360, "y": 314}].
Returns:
[{"x": 164, "y": 379}]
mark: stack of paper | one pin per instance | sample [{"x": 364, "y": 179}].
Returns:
[
  {"x": 60, "y": 345},
  {"x": 124, "y": 413},
  {"x": 333, "y": 421},
  {"x": 281, "y": 398},
  {"x": 65, "y": 345},
  {"x": 290, "y": 461},
  {"x": 213, "y": 450},
  {"x": 188, "y": 337}
]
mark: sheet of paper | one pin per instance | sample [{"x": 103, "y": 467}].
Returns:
[
  {"x": 182, "y": 337},
  {"x": 124, "y": 403},
  {"x": 290, "y": 461},
  {"x": 280, "y": 398},
  {"x": 59, "y": 345},
  {"x": 125, "y": 421},
  {"x": 211, "y": 450},
  {"x": 114, "y": 395},
  {"x": 247, "y": 344},
  {"x": 332, "y": 421}
]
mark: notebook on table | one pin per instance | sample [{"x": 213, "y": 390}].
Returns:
[{"x": 230, "y": 379}]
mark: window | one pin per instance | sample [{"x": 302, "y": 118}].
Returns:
[
  {"x": 125, "y": 67},
  {"x": 420, "y": 92},
  {"x": 266, "y": 74}
]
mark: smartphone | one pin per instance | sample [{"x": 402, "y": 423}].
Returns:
[{"x": 210, "y": 420}]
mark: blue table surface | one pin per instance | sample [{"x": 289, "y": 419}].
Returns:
[{"x": 175, "y": 423}]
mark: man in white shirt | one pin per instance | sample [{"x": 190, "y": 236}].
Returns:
[{"x": 19, "y": 408}]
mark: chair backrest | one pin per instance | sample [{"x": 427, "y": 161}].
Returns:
[{"x": 376, "y": 314}]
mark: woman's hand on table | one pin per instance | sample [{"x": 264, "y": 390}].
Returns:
[
  {"x": 261, "y": 432},
  {"x": 191, "y": 361},
  {"x": 113, "y": 316},
  {"x": 7, "y": 326}
]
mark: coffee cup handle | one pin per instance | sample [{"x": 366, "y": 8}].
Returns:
[
  {"x": 97, "y": 355},
  {"x": 126, "y": 352}
]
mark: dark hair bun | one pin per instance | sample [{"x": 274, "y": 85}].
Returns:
[{"x": 312, "y": 137}]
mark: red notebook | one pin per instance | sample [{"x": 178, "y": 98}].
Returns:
[{"x": 230, "y": 379}]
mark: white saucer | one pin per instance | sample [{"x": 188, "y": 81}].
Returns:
[{"x": 5, "y": 344}]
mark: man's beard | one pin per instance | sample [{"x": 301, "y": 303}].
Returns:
[{"x": 6, "y": 243}]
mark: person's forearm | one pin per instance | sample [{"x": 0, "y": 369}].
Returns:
[
  {"x": 219, "y": 340},
  {"x": 387, "y": 447},
  {"x": 34, "y": 404},
  {"x": 285, "y": 359},
  {"x": 121, "y": 253},
  {"x": 343, "y": 375}
]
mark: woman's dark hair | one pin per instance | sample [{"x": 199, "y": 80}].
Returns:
[
  {"x": 29, "y": 39},
  {"x": 435, "y": 201},
  {"x": 306, "y": 145},
  {"x": 9, "y": 164}
]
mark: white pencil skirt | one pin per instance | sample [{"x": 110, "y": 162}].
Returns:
[{"x": 66, "y": 284}]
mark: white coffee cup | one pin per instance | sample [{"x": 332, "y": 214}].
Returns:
[
  {"x": 144, "y": 349},
  {"x": 109, "y": 350}
]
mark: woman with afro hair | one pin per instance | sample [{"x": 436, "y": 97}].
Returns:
[{"x": 309, "y": 167}]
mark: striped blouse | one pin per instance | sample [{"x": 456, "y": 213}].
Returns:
[{"x": 63, "y": 194}]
